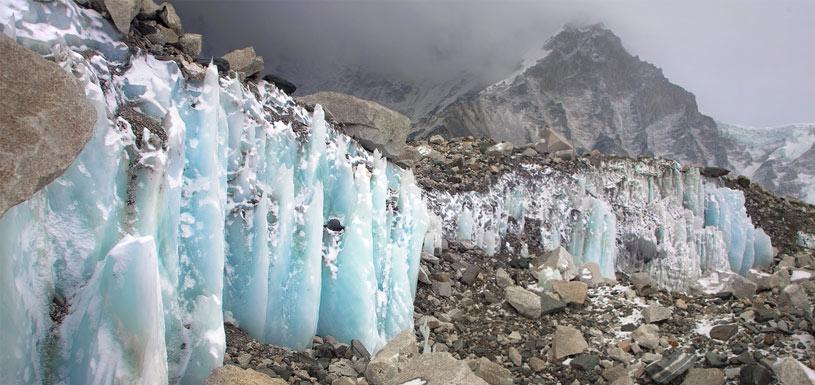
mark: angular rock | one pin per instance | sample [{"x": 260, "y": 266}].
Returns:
[
  {"x": 571, "y": 292},
  {"x": 191, "y": 44},
  {"x": 585, "y": 362},
  {"x": 503, "y": 279},
  {"x": 500, "y": 149},
  {"x": 470, "y": 274},
  {"x": 148, "y": 9},
  {"x": 790, "y": 371},
  {"x": 742, "y": 287},
  {"x": 373, "y": 125},
  {"x": 794, "y": 300},
  {"x": 590, "y": 274},
  {"x": 437, "y": 368},
  {"x": 45, "y": 121},
  {"x": 536, "y": 364},
  {"x": 552, "y": 141},
  {"x": 670, "y": 367},
  {"x": 698, "y": 376},
  {"x": 443, "y": 289},
  {"x": 233, "y": 375},
  {"x": 244, "y": 61},
  {"x": 656, "y": 313},
  {"x": 360, "y": 350},
  {"x": 567, "y": 341},
  {"x": 754, "y": 374},
  {"x": 281, "y": 83},
  {"x": 641, "y": 280},
  {"x": 122, "y": 12},
  {"x": 394, "y": 355},
  {"x": 764, "y": 281},
  {"x": 515, "y": 356},
  {"x": 492, "y": 373},
  {"x": 713, "y": 172},
  {"x": 724, "y": 332},
  {"x": 561, "y": 260},
  {"x": 170, "y": 18},
  {"x": 647, "y": 336},
  {"x": 524, "y": 301},
  {"x": 162, "y": 35},
  {"x": 551, "y": 303}
]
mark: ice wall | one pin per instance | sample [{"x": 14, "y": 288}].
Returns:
[
  {"x": 625, "y": 215},
  {"x": 195, "y": 201}
]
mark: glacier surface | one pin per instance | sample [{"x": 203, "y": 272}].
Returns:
[
  {"x": 194, "y": 201},
  {"x": 625, "y": 215}
]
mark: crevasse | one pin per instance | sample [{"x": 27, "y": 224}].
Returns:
[{"x": 194, "y": 201}]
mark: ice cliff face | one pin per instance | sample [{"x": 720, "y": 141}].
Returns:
[
  {"x": 589, "y": 88},
  {"x": 624, "y": 215},
  {"x": 779, "y": 158},
  {"x": 194, "y": 201}
]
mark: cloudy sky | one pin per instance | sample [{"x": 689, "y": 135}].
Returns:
[{"x": 748, "y": 62}]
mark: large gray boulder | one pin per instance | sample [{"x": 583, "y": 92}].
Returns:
[
  {"x": 45, "y": 121},
  {"x": 233, "y": 375},
  {"x": 122, "y": 12},
  {"x": 437, "y": 368},
  {"x": 371, "y": 124},
  {"x": 396, "y": 353},
  {"x": 244, "y": 61}
]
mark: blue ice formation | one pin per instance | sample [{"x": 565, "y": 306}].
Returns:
[
  {"x": 210, "y": 206},
  {"x": 627, "y": 215},
  {"x": 747, "y": 246}
]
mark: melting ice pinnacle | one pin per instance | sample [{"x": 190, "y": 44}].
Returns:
[{"x": 215, "y": 206}]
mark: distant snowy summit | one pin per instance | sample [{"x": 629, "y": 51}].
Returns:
[{"x": 780, "y": 158}]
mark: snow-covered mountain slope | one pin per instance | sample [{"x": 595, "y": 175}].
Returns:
[
  {"x": 780, "y": 158},
  {"x": 592, "y": 90}
]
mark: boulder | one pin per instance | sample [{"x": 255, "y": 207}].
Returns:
[
  {"x": 437, "y": 368},
  {"x": 122, "y": 12},
  {"x": 790, "y": 371},
  {"x": 394, "y": 355},
  {"x": 170, "y": 18},
  {"x": 742, "y": 287},
  {"x": 724, "y": 332},
  {"x": 552, "y": 142},
  {"x": 191, "y": 44},
  {"x": 233, "y": 375},
  {"x": 437, "y": 139},
  {"x": 670, "y": 367},
  {"x": 647, "y": 336},
  {"x": 765, "y": 281},
  {"x": 45, "y": 121},
  {"x": 713, "y": 172},
  {"x": 524, "y": 301},
  {"x": 244, "y": 61},
  {"x": 148, "y": 9},
  {"x": 656, "y": 313},
  {"x": 161, "y": 35},
  {"x": 500, "y": 149},
  {"x": 567, "y": 341},
  {"x": 283, "y": 84},
  {"x": 571, "y": 292},
  {"x": 492, "y": 373},
  {"x": 794, "y": 300},
  {"x": 371, "y": 124},
  {"x": 551, "y": 303},
  {"x": 502, "y": 278},
  {"x": 641, "y": 281},
  {"x": 754, "y": 374},
  {"x": 561, "y": 260}
]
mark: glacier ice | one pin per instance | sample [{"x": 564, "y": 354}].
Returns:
[
  {"x": 194, "y": 201},
  {"x": 625, "y": 215}
]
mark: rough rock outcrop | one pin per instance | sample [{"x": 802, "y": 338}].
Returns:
[
  {"x": 45, "y": 122},
  {"x": 233, "y": 375},
  {"x": 244, "y": 61},
  {"x": 371, "y": 124}
]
